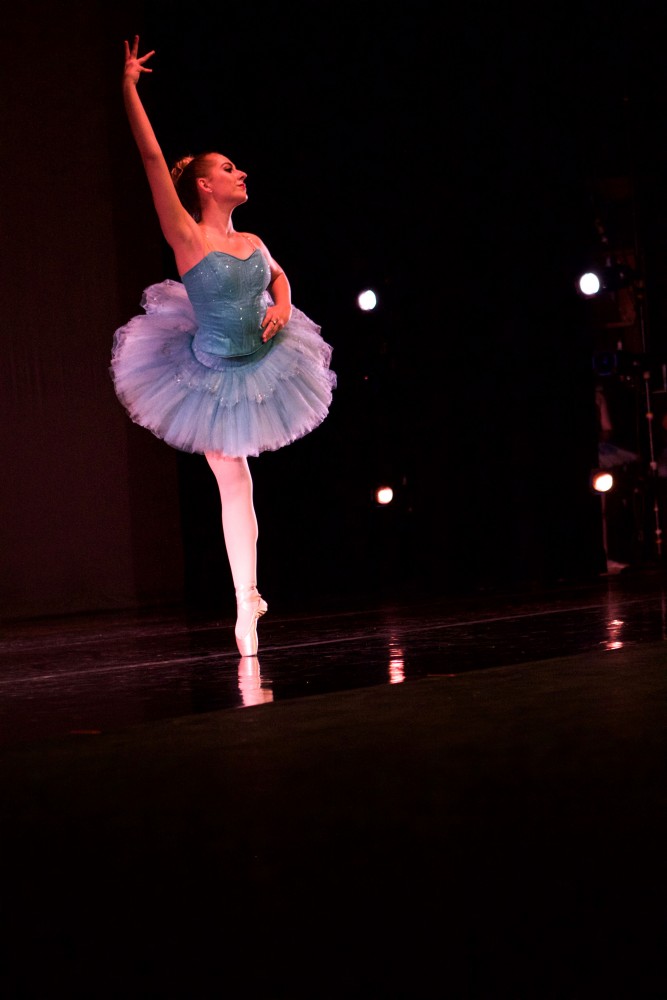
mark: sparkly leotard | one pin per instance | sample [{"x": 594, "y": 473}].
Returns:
[{"x": 195, "y": 371}]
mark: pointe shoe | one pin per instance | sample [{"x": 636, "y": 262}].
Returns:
[{"x": 250, "y": 606}]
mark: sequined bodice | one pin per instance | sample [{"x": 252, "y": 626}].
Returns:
[{"x": 229, "y": 299}]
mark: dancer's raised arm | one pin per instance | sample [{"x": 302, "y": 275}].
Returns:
[{"x": 178, "y": 227}]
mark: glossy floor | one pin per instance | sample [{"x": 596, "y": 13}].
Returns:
[
  {"x": 398, "y": 799},
  {"x": 101, "y": 673}
]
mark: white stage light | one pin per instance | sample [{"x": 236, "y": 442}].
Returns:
[
  {"x": 602, "y": 482},
  {"x": 384, "y": 495},
  {"x": 367, "y": 300},
  {"x": 589, "y": 283}
]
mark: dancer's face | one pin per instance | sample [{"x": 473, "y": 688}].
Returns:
[{"x": 224, "y": 180}]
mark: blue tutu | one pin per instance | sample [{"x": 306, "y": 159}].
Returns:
[{"x": 195, "y": 371}]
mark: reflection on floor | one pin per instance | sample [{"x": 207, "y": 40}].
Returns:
[
  {"x": 97, "y": 673},
  {"x": 459, "y": 798}
]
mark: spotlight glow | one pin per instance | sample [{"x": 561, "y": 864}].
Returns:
[
  {"x": 367, "y": 300},
  {"x": 384, "y": 495},
  {"x": 589, "y": 283},
  {"x": 602, "y": 482}
]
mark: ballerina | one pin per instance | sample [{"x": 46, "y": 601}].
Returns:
[{"x": 221, "y": 363}]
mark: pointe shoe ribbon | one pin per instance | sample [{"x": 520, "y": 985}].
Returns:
[{"x": 250, "y": 606}]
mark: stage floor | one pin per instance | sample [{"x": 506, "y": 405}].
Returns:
[
  {"x": 461, "y": 798},
  {"x": 100, "y": 673}
]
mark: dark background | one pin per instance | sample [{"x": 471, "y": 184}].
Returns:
[{"x": 454, "y": 162}]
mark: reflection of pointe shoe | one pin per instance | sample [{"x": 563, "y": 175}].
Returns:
[
  {"x": 254, "y": 691},
  {"x": 250, "y": 606}
]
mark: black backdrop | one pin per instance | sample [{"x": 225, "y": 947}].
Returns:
[{"x": 447, "y": 165}]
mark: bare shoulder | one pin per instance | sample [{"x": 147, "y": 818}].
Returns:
[{"x": 255, "y": 240}]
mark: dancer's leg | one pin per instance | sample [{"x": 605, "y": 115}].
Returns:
[
  {"x": 239, "y": 522},
  {"x": 239, "y": 526}
]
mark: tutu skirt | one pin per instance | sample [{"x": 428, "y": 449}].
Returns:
[{"x": 232, "y": 406}]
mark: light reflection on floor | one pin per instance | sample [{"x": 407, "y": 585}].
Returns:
[{"x": 96, "y": 673}]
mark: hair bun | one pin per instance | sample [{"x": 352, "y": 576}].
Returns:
[{"x": 179, "y": 167}]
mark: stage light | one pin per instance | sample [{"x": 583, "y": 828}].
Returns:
[
  {"x": 610, "y": 278},
  {"x": 384, "y": 495},
  {"x": 601, "y": 481},
  {"x": 367, "y": 300},
  {"x": 589, "y": 283}
]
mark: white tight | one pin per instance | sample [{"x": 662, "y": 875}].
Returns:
[{"x": 239, "y": 522}]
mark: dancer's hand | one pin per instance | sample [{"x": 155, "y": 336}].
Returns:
[
  {"x": 134, "y": 65},
  {"x": 272, "y": 323}
]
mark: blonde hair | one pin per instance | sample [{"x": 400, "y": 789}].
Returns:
[
  {"x": 184, "y": 174},
  {"x": 179, "y": 167}
]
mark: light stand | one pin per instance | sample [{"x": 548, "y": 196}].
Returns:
[{"x": 636, "y": 367}]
